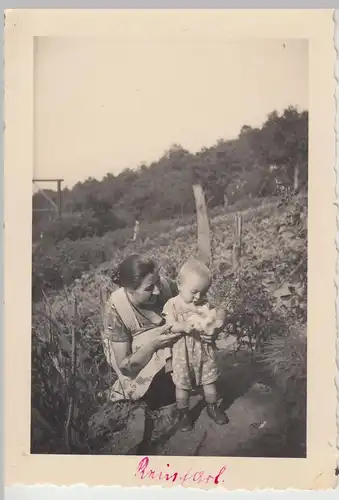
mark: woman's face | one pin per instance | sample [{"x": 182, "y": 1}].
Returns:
[{"x": 148, "y": 292}]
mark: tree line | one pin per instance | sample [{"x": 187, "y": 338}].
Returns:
[{"x": 260, "y": 162}]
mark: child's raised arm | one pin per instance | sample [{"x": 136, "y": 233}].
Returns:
[{"x": 220, "y": 318}]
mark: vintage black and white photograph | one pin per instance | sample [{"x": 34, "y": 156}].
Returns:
[{"x": 169, "y": 247}]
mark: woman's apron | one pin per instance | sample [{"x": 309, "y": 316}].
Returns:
[{"x": 127, "y": 388}]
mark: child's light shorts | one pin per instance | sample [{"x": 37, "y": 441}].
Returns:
[{"x": 193, "y": 363}]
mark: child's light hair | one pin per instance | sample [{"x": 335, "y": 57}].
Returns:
[{"x": 194, "y": 266}]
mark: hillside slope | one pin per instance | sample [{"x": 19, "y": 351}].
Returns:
[{"x": 264, "y": 299}]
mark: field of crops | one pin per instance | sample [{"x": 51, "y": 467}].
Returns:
[{"x": 265, "y": 300}]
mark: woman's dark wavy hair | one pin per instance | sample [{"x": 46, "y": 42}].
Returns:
[{"x": 131, "y": 271}]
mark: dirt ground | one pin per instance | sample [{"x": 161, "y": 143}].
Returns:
[{"x": 258, "y": 426}]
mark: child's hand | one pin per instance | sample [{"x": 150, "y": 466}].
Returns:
[
  {"x": 177, "y": 327},
  {"x": 220, "y": 316},
  {"x": 213, "y": 326},
  {"x": 189, "y": 327}
]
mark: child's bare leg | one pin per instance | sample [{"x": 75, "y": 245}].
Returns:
[
  {"x": 213, "y": 409},
  {"x": 210, "y": 393},
  {"x": 182, "y": 397}
]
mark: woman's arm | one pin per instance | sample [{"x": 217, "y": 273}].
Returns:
[
  {"x": 130, "y": 364},
  {"x": 118, "y": 345}
]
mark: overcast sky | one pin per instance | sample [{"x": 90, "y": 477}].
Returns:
[{"x": 103, "y": 105}]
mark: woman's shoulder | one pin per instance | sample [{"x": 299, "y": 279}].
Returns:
[{"x": 114, "y": 327}]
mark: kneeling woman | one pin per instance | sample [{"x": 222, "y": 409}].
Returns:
[{"x": 135, "y": 333}]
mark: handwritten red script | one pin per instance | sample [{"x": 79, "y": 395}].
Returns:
[{"x": 144, "y": 471}]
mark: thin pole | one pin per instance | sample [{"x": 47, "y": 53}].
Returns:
[
  {"x": 59, "y": 198},
  {"x": 56, "y": 206}
]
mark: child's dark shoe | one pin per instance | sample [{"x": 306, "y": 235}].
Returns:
[
  {"x": 216, "y": 414},
  {"x": 185, "y": 422}
]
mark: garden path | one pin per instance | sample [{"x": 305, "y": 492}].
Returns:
[{"x": 255, "y": 408}]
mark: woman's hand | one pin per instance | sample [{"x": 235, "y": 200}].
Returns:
[
  {"x": 165, "y": 338},
  {"x": 131, "y": 363},
  {"x": 182, "y": 327},
  {"x": 175, "y": 327}
]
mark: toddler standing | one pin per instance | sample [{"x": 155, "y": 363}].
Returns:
[{"x": 192, "y": 357}]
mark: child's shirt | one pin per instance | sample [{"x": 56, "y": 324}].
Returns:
[
  {"x": 176, "y": 309},
  {"x": 193, "y": 364},
  {"x": 201, "y": 317}
]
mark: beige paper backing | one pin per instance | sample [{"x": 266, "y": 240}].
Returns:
[{"x": 315, "y": 472}]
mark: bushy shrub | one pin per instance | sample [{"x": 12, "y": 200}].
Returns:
[
  {"x": 286, "y": 358},
  {"x": 77, "y": 225},
  {"x": 72, "y": 226},
  {"x": 67, "y": 331},
  {"x": 62, "y": 263}
]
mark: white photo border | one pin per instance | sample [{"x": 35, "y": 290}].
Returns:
[{"x": 21, "y": 26}]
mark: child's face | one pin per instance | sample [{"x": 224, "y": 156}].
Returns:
[{"x": 193, "y": 288}]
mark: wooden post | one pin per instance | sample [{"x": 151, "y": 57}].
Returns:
[
  {"x": 136, "y": 230},
  {"x": 204, "y": 241},
  {"x": 237, "y": 241},
  {"x": 57, "y": 207},
  {"x": 225, "y": 200},
  {"x": 296, "y": 178}
]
